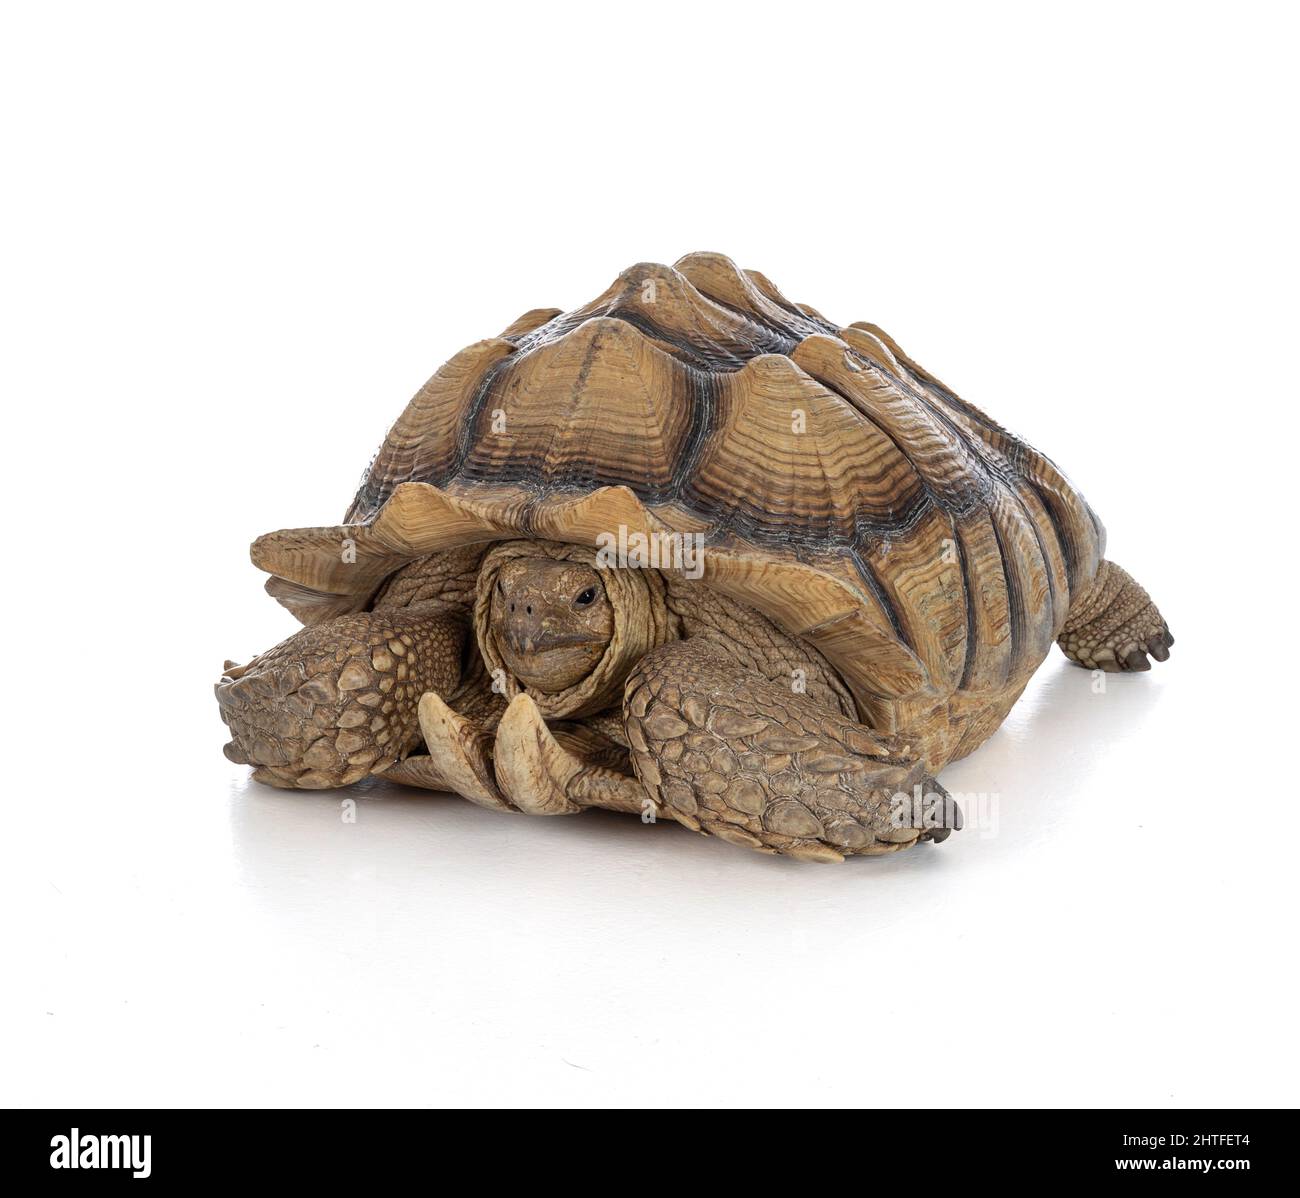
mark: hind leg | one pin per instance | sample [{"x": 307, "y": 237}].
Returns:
[{"x": 1113, "y": 625}]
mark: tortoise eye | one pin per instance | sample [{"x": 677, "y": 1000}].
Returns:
[{"x": 585, "y": 598}]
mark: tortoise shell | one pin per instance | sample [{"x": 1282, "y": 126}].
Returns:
[{"x": 835, "y": 485}]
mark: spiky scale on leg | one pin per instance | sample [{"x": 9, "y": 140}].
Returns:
[
  {"x": 1113, "y": 625},
  {"x": 557, "y": 773},
  {"x": 338, "y": 700},
  {"x": 763, "y": 767},
  {"x": 460, "y": 751}
]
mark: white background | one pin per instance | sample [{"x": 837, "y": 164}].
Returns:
[{"x": 238, "y": 237}]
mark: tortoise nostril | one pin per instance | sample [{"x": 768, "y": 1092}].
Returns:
[{"x": 529, "y": 609}]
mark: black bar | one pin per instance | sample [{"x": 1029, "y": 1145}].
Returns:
[{"x": 1212, "y": 1148}]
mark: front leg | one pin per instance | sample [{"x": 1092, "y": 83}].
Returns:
[
  {"x": 338, "y": 700},
  {"x": 760, "y": 766}
]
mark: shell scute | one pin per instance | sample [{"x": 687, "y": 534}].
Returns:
[
  {"x": 836, "y": 486},
  {"x": 599, "y": 406}
]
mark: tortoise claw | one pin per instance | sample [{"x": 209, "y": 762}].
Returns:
[
  {"x": 458, "y": 751},
  {"x": 1157, "y": 644},
  {"x": 532, "y": 768},
  {"x": 561, "y": 770},
  {"x": 952, "y": 818}
]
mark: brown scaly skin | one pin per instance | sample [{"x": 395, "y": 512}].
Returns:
[
  {"x": 1113, "y": 625},
  {"x": 338, "y": 700},
  {"x": 719, "y": 739},
  {"x": 763, "y": 767}
]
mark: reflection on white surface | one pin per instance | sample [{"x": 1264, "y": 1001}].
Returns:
[{"x": 435, "y": 952}]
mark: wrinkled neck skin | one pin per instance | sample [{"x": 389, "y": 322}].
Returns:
[{"x": 551, "y": 624}]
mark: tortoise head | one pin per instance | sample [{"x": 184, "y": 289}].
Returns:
[{"x": 551, "y": 621}]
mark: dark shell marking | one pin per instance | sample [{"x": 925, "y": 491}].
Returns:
[{"x": 683, "y": 384}]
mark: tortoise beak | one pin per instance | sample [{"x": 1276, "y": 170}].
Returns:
[{"x": 544, "y": 641}]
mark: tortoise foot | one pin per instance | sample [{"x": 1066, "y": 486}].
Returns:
[
  {"x": 1114, "y": 625},
  {"x": 337, "y": 701}
]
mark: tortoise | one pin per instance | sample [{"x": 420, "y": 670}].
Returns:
[{"x": 692, "y": 552}]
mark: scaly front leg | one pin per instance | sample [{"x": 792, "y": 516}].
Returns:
[
  {"x": 338, "y": 700},
  {"x": 760, "y": 766}
]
